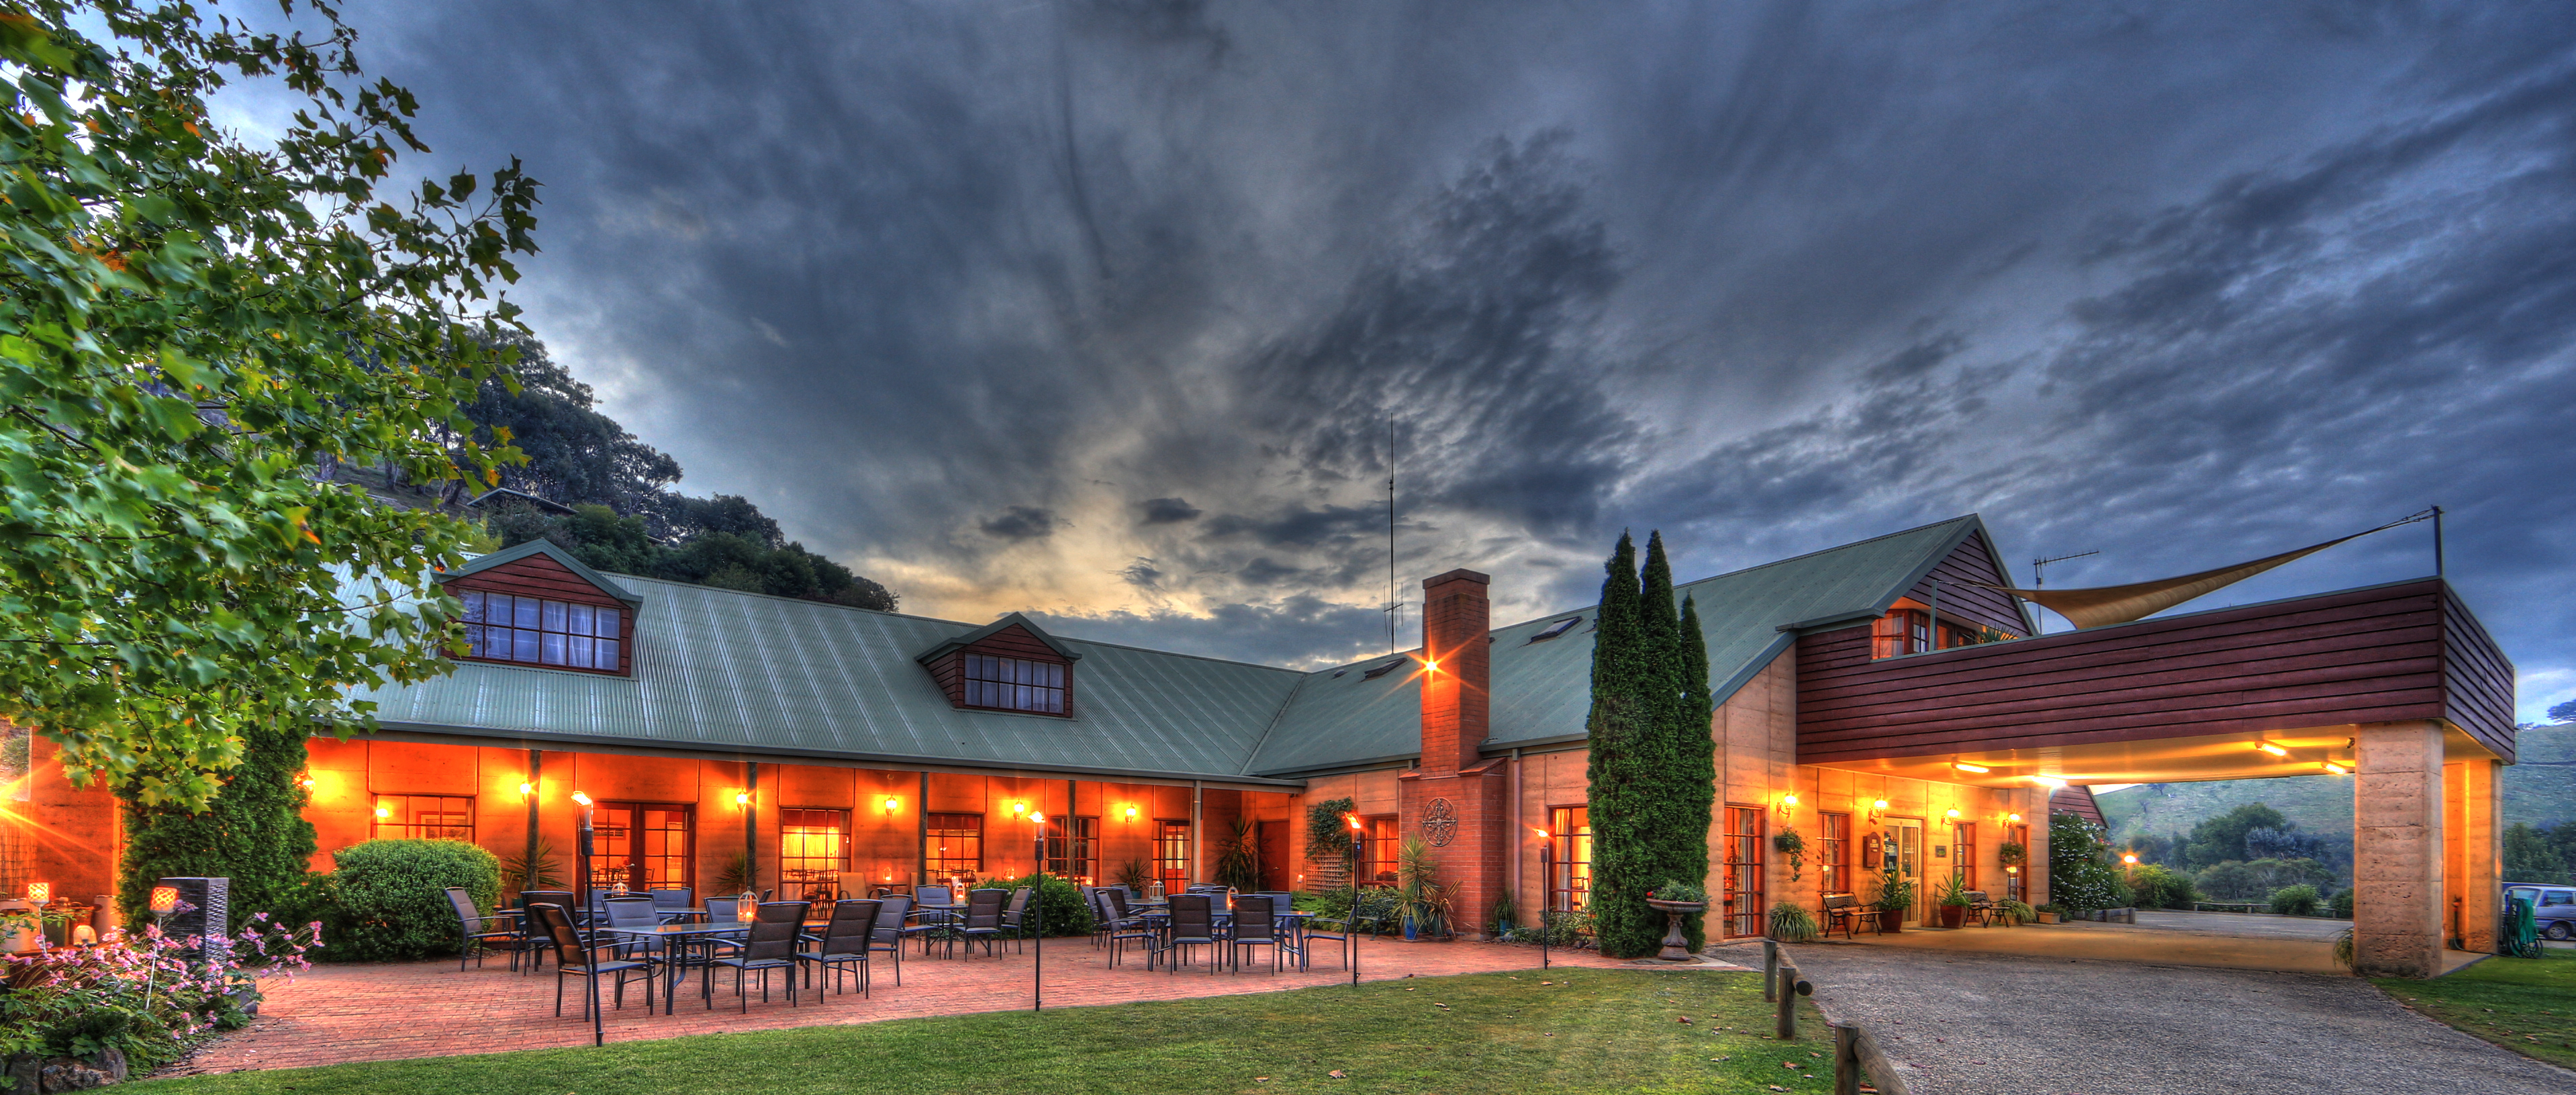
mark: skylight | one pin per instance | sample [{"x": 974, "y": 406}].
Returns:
[
  {"x": 1383, "y": 670},
  {"x": 1558, "y": 628}
]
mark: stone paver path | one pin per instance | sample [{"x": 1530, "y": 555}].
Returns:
[
  {"x": 333, "y": 1014},
  {"x": 1989, "y": 1024}
]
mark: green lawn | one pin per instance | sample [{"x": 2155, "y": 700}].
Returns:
[
  {"x": 1590, "y": 1031},
  {"x": 2521, "y": 1004}
]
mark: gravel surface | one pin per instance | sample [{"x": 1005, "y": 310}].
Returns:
[{"x": 1983, "y": 1024}]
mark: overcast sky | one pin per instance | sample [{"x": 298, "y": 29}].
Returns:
[{"x": 1101, "y": 309}]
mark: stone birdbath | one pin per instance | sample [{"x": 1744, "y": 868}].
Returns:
[{"x": 1676, "y": 945}]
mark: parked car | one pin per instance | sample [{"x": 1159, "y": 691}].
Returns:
[{"x": 2553, "y": 908}]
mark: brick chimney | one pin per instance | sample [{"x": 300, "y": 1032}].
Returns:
[{"x": 1457, "y": 679}]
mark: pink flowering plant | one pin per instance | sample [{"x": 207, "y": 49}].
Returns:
[{"x": 145, "y": 994}]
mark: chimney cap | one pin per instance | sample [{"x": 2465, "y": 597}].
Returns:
[{"x": 1461, "y": 574}]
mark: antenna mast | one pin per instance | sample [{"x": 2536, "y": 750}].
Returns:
[
  {"x": 2039, "y": 580},
  {"x": 1394, "y": 607}
]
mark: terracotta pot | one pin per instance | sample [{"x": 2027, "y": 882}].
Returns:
[
  {"x": 2048, "y": 918},
  {"x": 1891, "y": 921},
  {"x": 1953, "y": 915}
]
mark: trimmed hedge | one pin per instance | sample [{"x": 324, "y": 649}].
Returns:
[
  {"x": 391, "y": 897},
  {"x": 1059, "y": 901}
]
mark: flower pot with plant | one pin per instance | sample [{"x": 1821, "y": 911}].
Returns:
[
  {"x": 2051, "y": 913},
  {"x": 1895, "y": 899},
  {"x": 1954, "y": 901},
  {"x": 1676, "y": 899},
  {"x": 1421, "y": 900},
  {"x": 1793, "y": 847}
]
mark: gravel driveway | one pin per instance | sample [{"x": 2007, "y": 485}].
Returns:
[{"x": 1982, "y": 1024}]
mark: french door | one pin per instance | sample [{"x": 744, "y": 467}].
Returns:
[
  {"x": 641, "y": 845},
  {"x": 1903, "y": 850},
  {"x": 1740, "y": 890}
]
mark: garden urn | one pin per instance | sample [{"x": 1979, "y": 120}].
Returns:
[{"x": 1676, "y": 944}]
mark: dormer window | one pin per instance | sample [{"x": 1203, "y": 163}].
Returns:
[
  {"x": 536, "y": 631},
  {"x": 1008, "y": 665},
  {"x": 1014, "y": 684}
]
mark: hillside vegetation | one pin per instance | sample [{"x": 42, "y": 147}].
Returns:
[{"x": 2539, "y": 790}]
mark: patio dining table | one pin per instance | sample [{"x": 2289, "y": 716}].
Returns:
[
  {"x": 688, "y": 937},
  {"x": 1159, "y": 919}
]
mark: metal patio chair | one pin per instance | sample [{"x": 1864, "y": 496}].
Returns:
[
  {"x": 576, "y": 958},
  {"x": 983, "y": 918},
  {"x": 1193, "y": 924},
  {"x": 845, "y": 943},
  {"x": 479, "y": 930},
  {"x": 771, "y": 946}
]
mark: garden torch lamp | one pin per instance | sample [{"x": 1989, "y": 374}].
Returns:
[
  {"x": 40, "y": 894},
  {"x": 165, "y": 900},
  {"x": 1351, "y": 924},
  {"x": 1034, "y": 917},
  {"x": 583, "y": 848}
]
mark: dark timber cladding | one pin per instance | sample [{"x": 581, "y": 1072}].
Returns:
[
  {"x": 1958, "y": 601},
  {"x": 2407, "y": 650},
  {"x": 1011, "y": 641},
  {"x": 539, "y": 576}
]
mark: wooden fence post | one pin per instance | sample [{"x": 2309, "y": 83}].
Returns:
[
  {"x": 1846, "y": 1060},
  {"x": 1770, "y": 970},
  {"x": 1790, "y": 989}
]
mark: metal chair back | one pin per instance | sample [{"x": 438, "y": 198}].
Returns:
[
  {"x": 632, "y": 912},
  {"x": 936, "y": 896},
  {"x": 561, "y": 898},
  {"x": 789, "y": 912},
  {"x": 1193, "y": 918},
  {"x": 673, "y": 900},
  {"x": 466, "y": 913},
  {"x": 984, "y": 909},
  {"x": 853, "y": 923},
  {"x": 554, "y": 925},
  {"x": 1018, "y": 911},
  {"x": 772, "y": 940},
  {"x": 1255, "y": 919},
  {"x": 724, "y": 910},
  {"x": 891, "y": 913},
  {"x": 1118, "y": 903}
]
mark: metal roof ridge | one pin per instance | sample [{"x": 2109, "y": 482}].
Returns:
[{"x": 1277, "y": 715}]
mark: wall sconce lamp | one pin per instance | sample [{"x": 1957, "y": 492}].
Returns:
[
  {"x": 1788, "y": 806},
  {"x": 1952, "y": 815},
  {"x": 1876, "y": 809},
  {"x": 383, "y": 812},
  {"x": 1431, "y": 665},
  {"x": 742, "y": 798},
  {"x": 2268, "y": 747},
  {"x": 527, "y": 789},
  {"x": 1542, "y": 833},
  {"x": 893, "y": 804},
  {"x": 1973, "y": 769},
  {"x": 1131, "y": 813},
  {"x": 306, "y": 782},
  {"x": 2013, "y": 818}
]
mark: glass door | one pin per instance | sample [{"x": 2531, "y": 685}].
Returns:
[
  {"x": 640, "y": 846},
  {"x": 1903, "y": 851},
  {"x": 1742, "y": 888}
]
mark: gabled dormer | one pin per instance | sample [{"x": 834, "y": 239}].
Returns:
[
  {"x": 535, "y": 605},
  {"x": 1010, "y": 664}
]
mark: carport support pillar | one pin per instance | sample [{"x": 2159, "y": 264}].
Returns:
[
  {"x": 2475, "y": 840},
  {"x": 2397, "y": 915}
]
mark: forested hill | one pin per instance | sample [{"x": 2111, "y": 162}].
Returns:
[
  {"x": 2539, "y": 790},
  {"x": 623, "y": 515}
]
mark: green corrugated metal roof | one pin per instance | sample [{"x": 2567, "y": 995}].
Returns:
[
  {"x": 723, "y": 670},
  {"x": 1543, "y": 690}
]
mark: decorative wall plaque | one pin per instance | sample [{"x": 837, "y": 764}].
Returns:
[{"x": 1440, "y": 823}]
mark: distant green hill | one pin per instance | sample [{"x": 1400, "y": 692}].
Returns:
[{"x": 2541, "y": 789}]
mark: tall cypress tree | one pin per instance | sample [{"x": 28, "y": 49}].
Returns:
[
  {"x": 1694, "y": 759},
  {"x": 1621, "y": 728},
  {"x": 1676, "y": 835},
  {"x": 252, "y": 831}
]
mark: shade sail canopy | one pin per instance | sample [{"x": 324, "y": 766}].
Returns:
[{"x": 2102, "y": 606}]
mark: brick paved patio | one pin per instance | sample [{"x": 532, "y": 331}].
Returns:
[{"x": 333, "y": 1014}]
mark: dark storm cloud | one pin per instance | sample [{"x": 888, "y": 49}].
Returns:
[
  {"x": 1169, "y": 511},
  {"x": 1022, "y": 523},
  {"x": 948, "y": 287}
]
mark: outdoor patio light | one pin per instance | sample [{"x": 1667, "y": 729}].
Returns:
[
  {"x": 2268, "y": 747},
  {"x": 383, "y": 812},
  {"x": 2013, "y": 818},
  {"x": 1952, "y": 815},
  {"x": 164, "y": 899},
  {"x": 1431, "y": 665},
  {"x": 306, "y": 783},
  {"x": 1875, "y": 809},
  {"x": 893, "y": 804},
  {"x": 1131, "y": 813},
  {"x": 746, "y": 908},
  {"x": 1037, "y": 819},
  {"x": 1788, "y": 805},
  {"x": 40, "y": 893},
  {"x": 742, "y": 798},
  {"x": 1967, "y": 767},
  {"x": 526, "y": 789},
  {"x": 1019, "y": 807}
]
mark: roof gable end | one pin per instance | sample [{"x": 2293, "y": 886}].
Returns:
[
  {"x": 987, "y": 631},
  {"x": 550, "y": 550}
]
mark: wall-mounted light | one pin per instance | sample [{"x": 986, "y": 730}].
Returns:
[
  {"x": 1788, "y": 806},
  {"x": 1876, "y": 809},
  {"x": 742, "y": 798},
  {"x": 2268, "y": 747},
  {"x": 1542, "y": 833},
  {"x": 2335, "y": 768},
  {"x": 1131, "y": 813},
  {"x": 1952, "y": 814},
  {"x": 1974, "y": 769},
  {"x": 2013, "y": 818},
  {"x": 581, "y": 798},
  {"x": 526, "y": 789},
  {"x": 893, "y": 804},
  {"x": 1431, "y": 665},
  {"x": 1037, "y": 819},
  {"x": 1019, "y": 808},
  {"x": 383, "y": 812},
  {"x": 306, "y": 783}
]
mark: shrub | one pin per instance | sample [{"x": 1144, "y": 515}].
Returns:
[
  {"x": 1328, "y": 834},
  {"x": 253, "y": 831},
  {"x": 2240, "y": 881},
  {"x": 1238, "y": 862},
  {"x": 2156, "y": 887},
  {"x": 1060, "y": 902},
  {"x": 2080, "y": 875},
  {"x": 2341, "y": 905},
  {"x": 1791, "y": 924},
  {"x": 1677, "y": 890},
  {"x": 391, "y": 899},
  {"x": 2300, "y": 900}
]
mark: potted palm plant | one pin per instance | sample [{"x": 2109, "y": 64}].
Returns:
[
  {"x": 1895, "y": 899},
  {"x": 1676, "y": 899},
  {"x": 1954, "y": 901},
  {"x": 1421, "y": 900}
]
